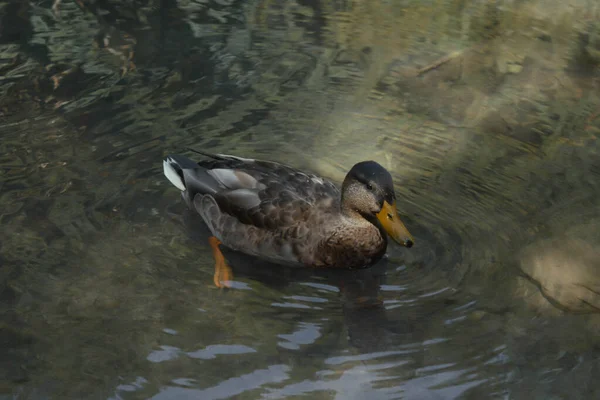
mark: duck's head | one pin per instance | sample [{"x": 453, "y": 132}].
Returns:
[{"x": 368, "y": 190}]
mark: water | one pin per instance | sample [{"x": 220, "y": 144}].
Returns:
[{"x": 486, "y": 113}]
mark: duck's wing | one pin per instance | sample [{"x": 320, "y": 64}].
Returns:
[{"x": 265, "y": 194}]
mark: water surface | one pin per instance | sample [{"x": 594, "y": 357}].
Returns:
[{"x": 487, "y": 114}]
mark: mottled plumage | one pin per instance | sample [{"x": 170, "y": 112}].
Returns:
[{"x": 283, "y": 215}]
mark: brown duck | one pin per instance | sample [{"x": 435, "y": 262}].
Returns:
[{"x": 285, "y": 216}]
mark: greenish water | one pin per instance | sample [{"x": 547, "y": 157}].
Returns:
[{"x": 487, "y": 114}]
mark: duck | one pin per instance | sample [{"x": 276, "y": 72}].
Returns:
[{"x": 285, "y": 216}]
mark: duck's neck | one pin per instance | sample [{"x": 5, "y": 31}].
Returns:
[
  {"x": 360, "y": 221},
  {"x": 349, "y": 212},
  {"x": 362, "y": 242}
]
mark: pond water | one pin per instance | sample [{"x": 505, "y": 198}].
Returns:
[{"x": 487, "y": 114}]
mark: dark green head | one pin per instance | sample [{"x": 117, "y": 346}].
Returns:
[{"x": 368, "y": 190}]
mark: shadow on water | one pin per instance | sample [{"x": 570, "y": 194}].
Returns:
[{"x": 487, "y": 114}]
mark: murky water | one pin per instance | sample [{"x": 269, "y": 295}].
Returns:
[{"x": 486, "y": 113}]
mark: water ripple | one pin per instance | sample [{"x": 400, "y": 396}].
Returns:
[{"x": 229, "y": 387}]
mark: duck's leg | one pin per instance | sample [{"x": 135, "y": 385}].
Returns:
[{"x": 223, "y": 273}]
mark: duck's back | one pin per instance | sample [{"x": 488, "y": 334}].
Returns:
[{"x": 274, "y": 183}]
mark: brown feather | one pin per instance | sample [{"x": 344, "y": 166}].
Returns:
[{"x": 283, "y": 215}]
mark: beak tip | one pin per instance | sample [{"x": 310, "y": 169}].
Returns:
[{"x": 408, "y": 243}]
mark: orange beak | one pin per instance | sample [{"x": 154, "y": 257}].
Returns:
[{"x": 390, "y": 221}]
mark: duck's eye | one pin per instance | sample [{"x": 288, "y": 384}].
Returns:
[
  {"x": 390, "y": 216},
  {"x": 369, "y": 186}
]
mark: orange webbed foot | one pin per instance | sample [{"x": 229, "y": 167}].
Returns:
[{"x": 223, "y": 274}]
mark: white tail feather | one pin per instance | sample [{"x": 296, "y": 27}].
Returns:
[{"x": 172, "y": 175}]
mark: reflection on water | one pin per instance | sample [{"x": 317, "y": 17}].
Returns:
[{"x": 486, "y": 113}]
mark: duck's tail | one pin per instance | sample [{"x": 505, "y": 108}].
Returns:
[{"x": 188, "y": 176}]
